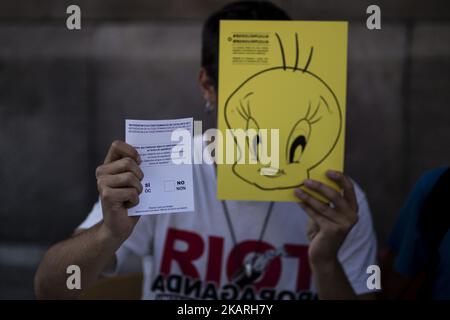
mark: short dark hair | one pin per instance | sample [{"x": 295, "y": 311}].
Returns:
[{"x": 241, "y": 10}]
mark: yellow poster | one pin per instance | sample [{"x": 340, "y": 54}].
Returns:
[{"x": 281, "y": 106}]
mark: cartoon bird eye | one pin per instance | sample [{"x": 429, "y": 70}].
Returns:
[
  {"x": 297, "y": 148},
  {"x": 300, "y": 134},
  {"x": 255, "y": 145},
  {"x": 253, "y": 137},
  {"x": 297, "y": 141}
]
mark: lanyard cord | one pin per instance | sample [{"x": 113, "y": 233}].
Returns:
[{"x": 263, "y": 229}]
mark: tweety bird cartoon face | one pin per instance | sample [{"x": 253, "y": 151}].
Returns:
[{"x": 300, "y": 105}]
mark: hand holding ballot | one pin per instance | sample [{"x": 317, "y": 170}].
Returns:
[
  {"x": 119, "y": 186},
  {"x": 167, "y": 187},
  {"x": 164, "y": 146}
]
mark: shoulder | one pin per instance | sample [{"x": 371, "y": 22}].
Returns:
[
  {"x": 362, "y": 233},
  {"x": 360, "y": 194},
  {"x": 362, "y": 201},
  {"x": 429, "y": 179},
  {"x": 420, "y": 190},
  {"x": 360, "y": 247},
  {"x": 364, "y": 227},
  {"x": 405, "y": 231}
]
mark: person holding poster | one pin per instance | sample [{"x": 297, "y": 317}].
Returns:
[{"x": 318, "y": 245}]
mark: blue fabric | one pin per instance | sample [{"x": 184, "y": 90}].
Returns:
[{"x": 407, "y": 242}]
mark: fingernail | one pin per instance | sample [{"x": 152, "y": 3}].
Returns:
[
  {"x": 332, "y": 174},
  {"x": 299, "y": 192},
  {"x": 139, "y": 161},
  {"x": 309, "y": 183}
]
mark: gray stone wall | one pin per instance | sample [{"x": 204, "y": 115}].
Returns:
[{"x": 64, "y": 96}]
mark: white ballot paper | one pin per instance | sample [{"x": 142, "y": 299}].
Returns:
[{"x": 164, "y": 148}]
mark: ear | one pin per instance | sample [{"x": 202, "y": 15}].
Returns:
[{"x": 207, "y": 89}]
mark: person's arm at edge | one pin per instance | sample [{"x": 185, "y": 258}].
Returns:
[
  {"x": 118, "y": 182},
  {"x": 93, "y": 250}
]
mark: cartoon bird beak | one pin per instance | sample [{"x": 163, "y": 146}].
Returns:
[{"x": 271, "y": 172}]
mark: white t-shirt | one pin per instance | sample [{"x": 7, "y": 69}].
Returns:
[{"x": 192, "y": 255}]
